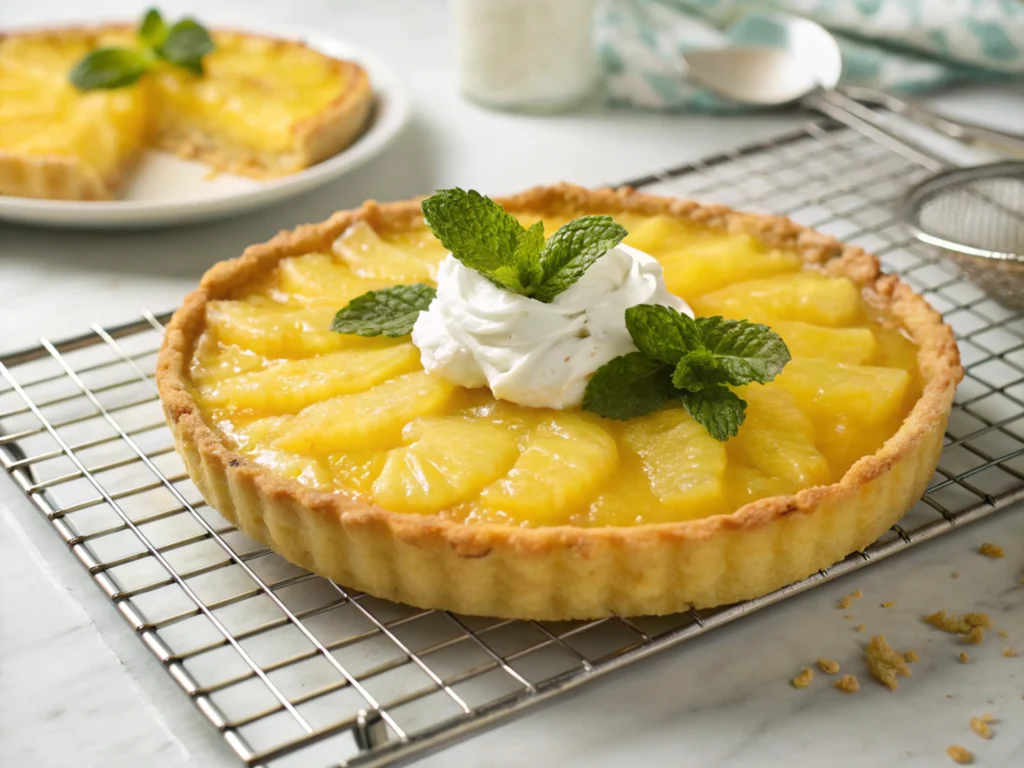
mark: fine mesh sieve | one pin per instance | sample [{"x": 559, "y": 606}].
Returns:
[{"x": 977, "y": 216}]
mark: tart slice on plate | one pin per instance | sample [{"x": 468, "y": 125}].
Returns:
[
  {"x": 719, "y": 405},
  {"x": 253, "y": 105}
]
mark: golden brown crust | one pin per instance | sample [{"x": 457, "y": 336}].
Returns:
[
  {"x": 315, "y": 138},
  {"x": 568, "y": 572}
]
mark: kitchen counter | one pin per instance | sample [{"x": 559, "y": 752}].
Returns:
[{"x": 77, "y": 686}]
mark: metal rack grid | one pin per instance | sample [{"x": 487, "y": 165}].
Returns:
[{"x": 295, "y": 670}]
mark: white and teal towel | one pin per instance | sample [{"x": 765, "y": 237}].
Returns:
[{"x": 893, "y": 45}]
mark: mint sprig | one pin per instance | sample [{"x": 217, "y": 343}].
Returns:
[
  {"x": 390, "y": 312},
  {"x": 184, "y": 44},
  {"x": 485, "y": 237},
  {"x": 692, "y": 360}
]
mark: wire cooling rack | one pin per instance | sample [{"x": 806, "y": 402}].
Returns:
[{"x": 295, "y": 670}]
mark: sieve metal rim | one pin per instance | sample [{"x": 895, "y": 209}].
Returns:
[{"x": 920, "y": 193}]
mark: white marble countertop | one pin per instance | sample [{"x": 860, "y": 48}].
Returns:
[{"x": 76, "y": 685}]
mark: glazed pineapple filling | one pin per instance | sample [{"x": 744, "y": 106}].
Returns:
[{"x": 359, "y": 415}]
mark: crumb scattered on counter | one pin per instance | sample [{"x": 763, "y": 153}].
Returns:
[
  {"x": 961, "y": 625},
  {"x": 885, "y": 662},
  {"x": 860, "y": 627},
  {"x": 955, "y": 574},
  {"x": 847, "y": 601},
  {"x": 988, "y": 549},
  {"x": 964, "y": 658},
  {"x": 888, "y": 604},
  {"x": 980, "y": 726},
  {"x": 960, "y": 755},
  {"x": 1010, "y": 652},
  {"x": 849, "y": 616},
  {"x": 911, "y": 656},
  {"x": 976, "y": 636},
  {"x": 1003, "y": 633},
  {"x": 804, "y": 678},
  {"x": 847, "y": 684},
  {"x": 828, "y": 666}
]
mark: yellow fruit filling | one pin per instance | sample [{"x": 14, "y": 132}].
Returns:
[{"x": 359, "y": 416}]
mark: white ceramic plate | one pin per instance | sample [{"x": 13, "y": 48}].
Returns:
[{"x": 165, "y": 189}]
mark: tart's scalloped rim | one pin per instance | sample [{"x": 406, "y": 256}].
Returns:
[
  {"x": 316, "y": 137},
  {"x": 423, "y": 560}
]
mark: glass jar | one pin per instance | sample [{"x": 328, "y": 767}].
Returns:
[{"x": 525, "y": 55}]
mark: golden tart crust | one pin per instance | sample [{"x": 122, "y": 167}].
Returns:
[
  {"x": 313, "y": 138},
  {"x": 566, "y": 572}
]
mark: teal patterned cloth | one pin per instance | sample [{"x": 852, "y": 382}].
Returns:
[{"x": 893, "y": 45}]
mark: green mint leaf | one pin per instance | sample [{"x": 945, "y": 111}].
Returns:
[
  {"x": 108, "y": 68},
  {"x": 697, "y": 370},
  {"x": 479, "y": 233},
  {"x": 391, "y": 311},
  {"x": 743, "y": 351},
  {"x": 629, "y": 386},
  {"x": 186, "y": 44},
  {"x": 572, "y": 249},
  {"x": 526, "y": 256},
  {"x": 152, "y": 30},
  {"x": 661, "y": 332},
  {"x": 718, "y": 409}
]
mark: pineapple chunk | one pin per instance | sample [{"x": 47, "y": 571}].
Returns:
[
  {"x": 710, "y": 264},
  {"x": 250, "y": 434},
  {"x": 310, "y": 471},
  {"x": 666, "y": 234},
  {"x": 777, "y": 438},
  {"x": 566, "y": 459},
  {"x": 627, "y": 499},
  {"x": 843, "y": 345},
  {"x": 744, "y": 485},
  {"x": 356, "y": 471},
  {"x": 830, "y": 391},
  {"x": 684, "y": 465},
  {"x": 290, "y": 386},
  {"x": 807, "y": 296},
  {"x": 320, "y": 276},
  {"x": 282, "y": 333},
  {"x": 214, "y": 361},
  {"x": 446, "y": 461},
  {"x": 365, "y": 420},
  {"x": 368, "y": 256}
]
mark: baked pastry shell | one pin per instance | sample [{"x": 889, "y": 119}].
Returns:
[{"x": 568, "y": 572}]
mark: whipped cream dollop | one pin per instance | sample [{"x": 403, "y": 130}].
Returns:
[{"x": 476, "y": 334}]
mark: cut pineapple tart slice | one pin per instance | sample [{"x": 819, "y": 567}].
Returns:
[
  {"x": 565, "y": 461},
  {"x": 446, "y": 461},
  {"x": 364, "y": 420}
]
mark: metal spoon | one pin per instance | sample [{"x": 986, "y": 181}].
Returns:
[{"x": 805, "y": 66}]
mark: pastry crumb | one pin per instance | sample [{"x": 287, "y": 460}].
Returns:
[
  {"x": 960, "y": 755},
  {"x": 961, "y": 625},
  {"x": 955, "y": 574},
  {"x": 888, "y": 604},
  {"x": 976, "y": 636},
  {"x": 885, "y": 663},
  {"x": 849, "y": 616},
  {"x": 828, "y": 666},
  {"x": 847, "y": 684},
  {"x": 1010, "y": 652},
  {"x": 988, "y": 549},
  {"x": 804, "y": 678},
  {"x": 980, "y": 725},
  {"x": 1003, "y": 633},
  {"x": 860, "y": 627},
  {"x": 964, "y": 658},
  {"x": 847, "y": 601},
  {"x": 911, "y": 656}
]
